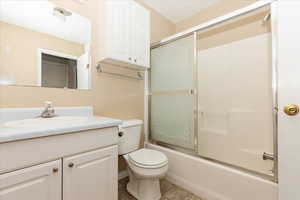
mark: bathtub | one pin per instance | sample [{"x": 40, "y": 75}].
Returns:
[{"x": 213, "y": 181}]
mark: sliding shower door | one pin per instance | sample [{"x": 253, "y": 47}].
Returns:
[
  {"x": 235, "y": 92},
  {"x": 212, "y": 93},
  {"x": 172, "y": 100}
]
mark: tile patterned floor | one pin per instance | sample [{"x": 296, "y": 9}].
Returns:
[{"x": 169, "y": 192}]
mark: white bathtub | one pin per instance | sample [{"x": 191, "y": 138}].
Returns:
[{"x": 214, "y": 181}]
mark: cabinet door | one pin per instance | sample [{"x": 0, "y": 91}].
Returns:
[
  {"x": 140, "y": 35},
  {"x": 41, "y": 182},
  {"x": 118, "y": 30},
  {"x": 91, "y": 175}
]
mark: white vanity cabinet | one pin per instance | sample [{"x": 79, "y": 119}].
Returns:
[
  {"x": 126, "y": 34},
  {"x": 40, "y": 182},
  {"x": 91, "y": 175},
  {"x": 75, "y": 166}
]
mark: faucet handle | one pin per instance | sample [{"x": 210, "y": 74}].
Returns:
[
  {"x": 48, "y": 110},
  {"x": 48, "y": 104}
]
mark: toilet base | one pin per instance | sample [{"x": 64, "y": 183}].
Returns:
[{"x": 143, "y": 189}]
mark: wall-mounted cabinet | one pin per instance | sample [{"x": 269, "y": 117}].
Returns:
[{"x": 125, "y": 37}]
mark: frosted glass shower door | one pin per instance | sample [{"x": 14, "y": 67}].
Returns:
[
  {"x": 235, "y": 92},
  {"x": 172, "y": 101}
]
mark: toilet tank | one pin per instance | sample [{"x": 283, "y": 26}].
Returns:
[{"x": 129, "y": 136}]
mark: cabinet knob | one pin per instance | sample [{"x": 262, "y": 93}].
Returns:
[
  {"x": 121, "y": 134},
  {"x": 129, "y": 58},
  {"x": 71, "y": 165},
  {"x": 135, "y": 60},
  {"x": 55, "y": 170}
]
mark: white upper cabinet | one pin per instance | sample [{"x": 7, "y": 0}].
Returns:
[
  {"x": 141, "y": 35},
  {"x": 126, "y": 34},
  {"x": 118, "y": 30}
]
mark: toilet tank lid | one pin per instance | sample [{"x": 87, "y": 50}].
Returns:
[{"x": 129, "y": 123}]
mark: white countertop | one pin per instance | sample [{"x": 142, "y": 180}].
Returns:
[{"x": 10, "y": 132}]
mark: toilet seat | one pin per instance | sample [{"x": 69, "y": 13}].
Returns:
[{"x": 148, "y": 159}]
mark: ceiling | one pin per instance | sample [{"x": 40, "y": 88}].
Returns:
[
  {"x": 38, "y": 16},
  {"x": 180, "y": 10}
]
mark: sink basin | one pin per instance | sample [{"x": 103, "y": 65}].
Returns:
[{"x": 44, "y": 122}]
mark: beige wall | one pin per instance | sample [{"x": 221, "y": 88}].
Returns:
[
  {"x": 167, "y": 28},
  {"x": 248, "y": 26},
  {"x": 216, "y": 10},
  {"x": 19, "y": 56}
]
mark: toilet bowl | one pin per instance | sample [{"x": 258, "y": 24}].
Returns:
[{"x": 145, "y": 166}]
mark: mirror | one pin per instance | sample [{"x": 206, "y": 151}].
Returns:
[{"x": 42, "y": 44}]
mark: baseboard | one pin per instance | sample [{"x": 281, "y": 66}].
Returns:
[
  {"x": 123, "y": 174},
  {"x": 195, "y": 189}
]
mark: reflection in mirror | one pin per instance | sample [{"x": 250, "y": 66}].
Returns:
[
  {"x": 43, "y": 44},
  {"x": 58, "y": 72}
]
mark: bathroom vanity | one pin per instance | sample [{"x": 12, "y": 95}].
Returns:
[{"x": 70, "y": 158}]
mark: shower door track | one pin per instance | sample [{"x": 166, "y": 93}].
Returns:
[{"x": 193, "y": 31}]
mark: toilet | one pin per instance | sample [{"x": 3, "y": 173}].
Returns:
[{"x": 145, "y": 166}]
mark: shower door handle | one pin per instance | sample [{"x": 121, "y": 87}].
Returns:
[
  {"x": 268, "y": 156},
  {"x": 192, "y": 91}
]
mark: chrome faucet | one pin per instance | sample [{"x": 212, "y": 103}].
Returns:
[{"x": 49, "y": 111}]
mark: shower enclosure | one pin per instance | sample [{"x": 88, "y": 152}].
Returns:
[{"x": 213, "y": 91}]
